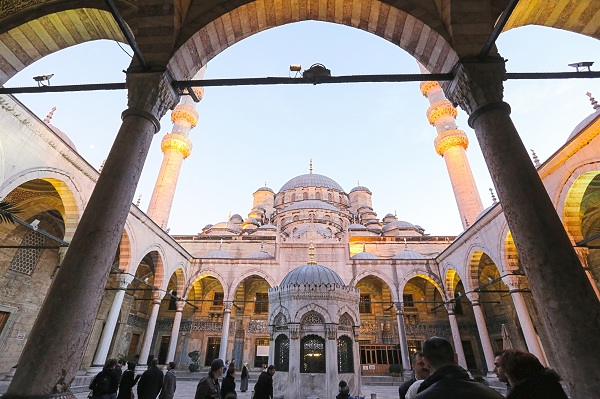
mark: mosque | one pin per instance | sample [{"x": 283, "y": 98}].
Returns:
[{"x": 311, "y": 280}]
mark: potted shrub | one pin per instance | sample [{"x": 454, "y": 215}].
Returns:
[
  {"x": 194, "y": 366},
  {"x": 395, "y": 370}
]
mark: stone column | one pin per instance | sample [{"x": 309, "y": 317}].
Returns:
[
  {"x": 402, "y": 337},
  {"x": 55, "y": 348},
  {"x": 568, "y": 306},
  {"x": 175, "y": 331},
  {"x": 331, "y": 377},
  {"x": 225, "y": 331},
  {"x": 458, "y": 348},
  {"x": 111, "y": 321},
  {"x": 484, "y": 336},
  {"x": 293, "y": 389},
  {"x": 531, "y": 337},
  {"x": 149, "y": 334}
]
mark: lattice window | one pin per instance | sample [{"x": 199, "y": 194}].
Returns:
[
  {"x": 218, "y": 298},
  {"x": 345, "y": 320},
  {"x": 26, "y": 259},
  {"x": 280, "y": 320},
  {"x": 261, "y": 303},
  {"x": 345, "y": 355},
  {"x": 312, "y": 318},
  {"x": 212, "y": 350},
  {"x": 312, "y": 354},
  {"x": 364, "y": 306},
  {"x": 282, "y": 353}
]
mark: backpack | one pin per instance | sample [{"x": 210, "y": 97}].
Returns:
[{"x": 101, "y": 384}]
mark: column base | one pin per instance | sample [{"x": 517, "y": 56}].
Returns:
[
  {"x": 94, "y": 369},
  {"x": 63, "y": 395},
  {"x": 140, "y": 368},
  {"x": 10, "y": 375}
]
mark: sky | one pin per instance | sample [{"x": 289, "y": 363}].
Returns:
[{"x": 372, "y": 134}]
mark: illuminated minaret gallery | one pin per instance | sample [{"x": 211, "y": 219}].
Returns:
[
  {"x": 451, "y": 143},
  {"x": 176, "y": 146}
]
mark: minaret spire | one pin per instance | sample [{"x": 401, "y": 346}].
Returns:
[
  {"x": 311, "y": 254},
  {"x": 48, "y": 117}
]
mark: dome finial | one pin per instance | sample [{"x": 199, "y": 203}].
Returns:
[
  {"x": 220, "y": 243},
  {"x": 310, "y": 166},
  {"x": 494, "y": 200},
  {"x": 536, "y": 160},
  {"x": 311, "y": 254},
  {"x": 595, "y": 104},
  {"x": 51, "y": 114},
  {"x": 405, "y": 244},
  {"x": 364, "y": 247}
]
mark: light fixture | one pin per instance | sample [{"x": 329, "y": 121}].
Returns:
[
  {"x": 295, "y": 68},
  {"x": 34, "y": 224},
  {"x": 316, "y": 72},
  {"x": 585, "y": 64},
  {"x": 43, "y": 78}
]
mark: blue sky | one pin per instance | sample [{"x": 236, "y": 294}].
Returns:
[{"x": 376, "y": 134}]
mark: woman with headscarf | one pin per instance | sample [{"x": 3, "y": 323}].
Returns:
[
  {"x": 128, "y": 380},
  {"x": 228, "y": 385},
  {"x": 245, "y": 377}
]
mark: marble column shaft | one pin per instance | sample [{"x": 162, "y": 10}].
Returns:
[
  {"x": 111, "y": 320},
  {"x": 568, "y": 306},
  {"x": 403, "y": 341},
  {"x": 458, "y": 348},
  {"x": 149, "y": 334},
  {"x": 175, "y": 331},
  {"x": 484, "y": 336},
  {"x": 50, "y": 361},
  {"x": 225, "y": 332}
]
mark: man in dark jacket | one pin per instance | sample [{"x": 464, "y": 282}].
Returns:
[
  {"x": 263, "y": 389},
  {"x": 448, "y": 380},
  {"x": 169, "y": 383},
  {"x": 208, "y": 387},
  {"x": 420, "y": 372},
  {"x": 151, "y": 382}
]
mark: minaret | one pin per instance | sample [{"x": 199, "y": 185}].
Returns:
[
  {"x": 176, "y": 146},
  {"x": 451, "y": 143}
]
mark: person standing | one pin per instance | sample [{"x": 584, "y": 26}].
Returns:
[
  {"x": 169, "y": 383},
  {"x": 228, "y": 386},
  {"x": 264, "y": 386},
  {"x": 419, "y": 373},
  {"x": 208, "y": 386},
  {"x": 128, "y": 381},
  {"x": 244, "y": 378},
  {"x": 151, "y": 381},
  {"x": 106, "y": 383}
]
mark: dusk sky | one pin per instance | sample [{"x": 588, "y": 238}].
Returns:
[{"x": 376, "y": 134}]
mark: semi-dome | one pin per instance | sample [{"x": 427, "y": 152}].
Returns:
[
  {"x": 398, "y": 224},
  {"x": 311, "y": 274},
  {"x": 311, "y": 180},
  {"x": 407, "y": 254},
  {"x": 216, "y": 254},
  {"x": 310, "y": 204},
  {"x": 360, "y": 188}
]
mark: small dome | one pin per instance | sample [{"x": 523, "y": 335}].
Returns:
[
  {"x": 398, "y": 224},
  {"x": 230, "y": 226},
  {"x": 236, "y": 218},
  {"x": 360, "y": 188},
  {"x": 407, "y": 254},
  {"x": 311, "y": 274},
  {"x": 311, "y": 204},
  {"x": 356, "y": 226},
  {"x": 311, "y": 180},
  {"x": 216, "y": 254},
  {"x": 63, "y": 136},
  {"x": 268, "y": 226},
  {"x": 265, "y": 188},
  {"x": 482, "y": 214},
  {"x": 584, "y": 123},
  {"x": 262, "y": 254},
  {"x": 364, "y": 256},
  {"x": 207, "y": 227}
]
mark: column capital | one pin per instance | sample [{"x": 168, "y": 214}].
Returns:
[
  {"x": 150, "y": 95},
  {"x": 477, "y": 84},
  {"x": 512, "y": 281},
  {"x": 227, "y": 307},
  {"x": 124, "y": 280},
  {"x": 399, "y": 308},
  {"x": 473, "y": 297},
  {"x": 582, "y": 254},
  {"x": 450, "y": 308},
  {"x": 157, "y": 296},
  {"x": 180, "y": 304}
]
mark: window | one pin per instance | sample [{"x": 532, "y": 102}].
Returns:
[
  {"x": 408, "y": 300},
  {"x": 329, "y": 197},
  {"x": 212, "y": 350},
  {"x": 3, "y": 320},
  {"x": 318, "y": 195},
  {"x": 173, "y": 301},
  {"x": 364, "y": 305},
  {"x": 305, "y": 195},
  {"x": 26, "y": 259},
  {"x": 345, "y": 356},
  {"x": 312, "y": 354},
  {"x": 261, "y": 303},
  {"x": 261, "y": 353},
  {"x": 218, "y": 298},
  {"x": 282, "y": 353}
]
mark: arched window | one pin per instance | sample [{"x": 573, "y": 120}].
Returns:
[
  {"x": 26, "y": 259},
  {"x": 318, "y": 195},
  {"x": 305, "y": 195},
  {"x": 312, "y": 354},
  {"x": 345, "y": 356},
  {"x": 282, "y": 353},
  {"x": 329, "y": 197}
]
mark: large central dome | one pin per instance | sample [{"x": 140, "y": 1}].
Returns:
[
  {"x": 312, "y": 274},
  {"x": 311, "y": 180}
]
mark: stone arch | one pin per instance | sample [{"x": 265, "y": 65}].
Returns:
[
  {"x": 208, "y": 272},
  {"x": 474, "y": 257},
  {"x": 511, "y": 257},
  {"x": 158, "y": 256},
  {"x": 413, "y": 35},
  {"x": 58, "y": 26},
  {"x": 67, "y": 189},
  {"x": 347, "y": 311},
  {"x": 571, "y": 195},
  {"x": 420, "y": 273},
  {"x": 312, "y": 307},
  {"x": 249, "y": 273},
  {"x": 383, "y": 277},
  {"x": 452, "y": 279},
  {"x": 180, "y": 276},
  {"x": 125, "y": 250},
  {"x": 280, "y": 317}
]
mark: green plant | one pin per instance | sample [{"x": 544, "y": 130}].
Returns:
[
  {"x": 395, "y": 369},
  {"x": 8, "y": 210},
  {"x": 195, "y": 356}
]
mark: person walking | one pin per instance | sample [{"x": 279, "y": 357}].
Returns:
[
  {"x": 208, "y": 386},
  {"x": 244, "y": 378},
  {"x": 151, "y": 381},
  {"x": 228, "y": 385},
  {"x": 169, "y": 383},
  {"x": 128, "y": 381},
  {"x": 106, "y": 383},
  {"x": 264, "y": 386}
]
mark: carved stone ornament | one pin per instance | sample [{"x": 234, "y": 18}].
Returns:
[
  {"x": 294, "y": 329},
  {"x": 426, "y": 86},
  {"x": 449, "y": 139},
  {"x": 185, "y": 112},
  {"x": 476, "y": 83},
  {"x": 176, "y": 142},
  {"x": 331, "y": 331},
  {"x": 440, "y": 109}
]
